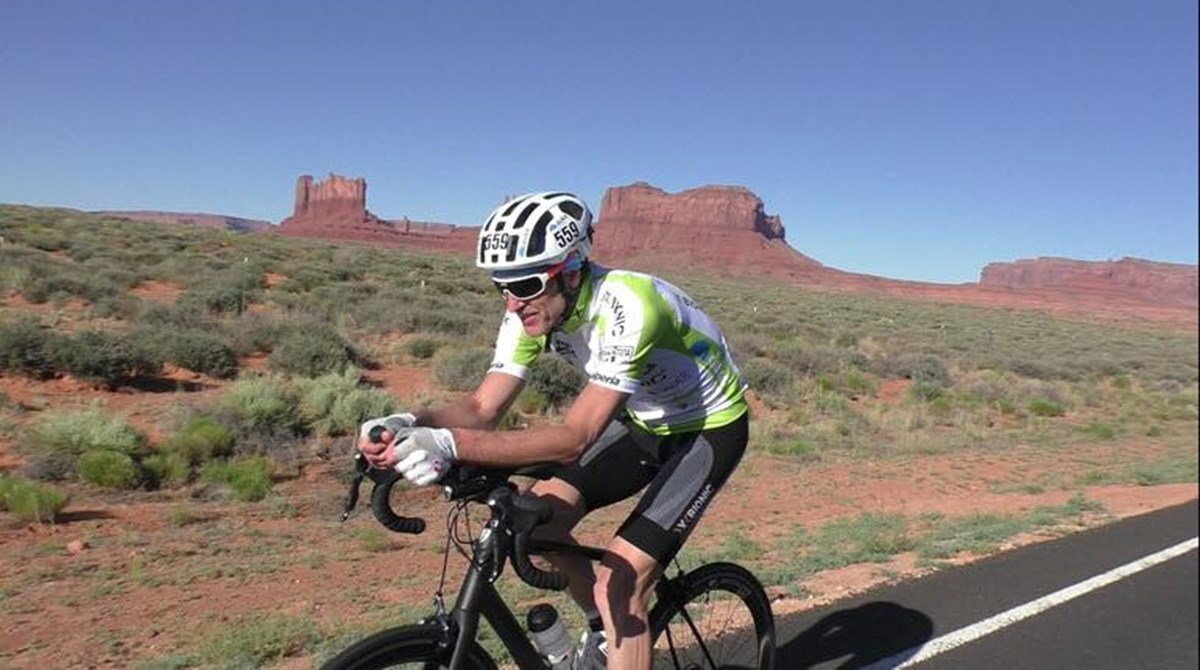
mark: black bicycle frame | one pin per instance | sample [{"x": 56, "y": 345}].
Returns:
[{"x": 478, "y": 598}]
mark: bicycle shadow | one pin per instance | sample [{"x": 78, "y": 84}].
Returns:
[{"x": 861, "y": 636}]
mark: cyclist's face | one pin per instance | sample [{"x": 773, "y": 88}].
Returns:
[{"x": 538, "y": 315}]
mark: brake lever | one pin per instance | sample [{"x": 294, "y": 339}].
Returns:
[{"x": 360, "y": 470}]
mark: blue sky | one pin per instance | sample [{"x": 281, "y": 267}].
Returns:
[{"x": 912, "y": 139}]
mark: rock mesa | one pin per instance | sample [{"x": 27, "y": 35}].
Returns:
[
  {"x": 337, "y": 208},
  {"x": 711, "y": 227},
  {"x": 1134, "y": 278}
]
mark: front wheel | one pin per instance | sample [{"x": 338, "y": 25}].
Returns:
[
  {"x": 717, "y": 616},
  {"x": 421, "y": 646}
]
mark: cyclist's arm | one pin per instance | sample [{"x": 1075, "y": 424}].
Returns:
[
  {"x": 483, "y": 409},
  {"x": 590, "y": 414}
]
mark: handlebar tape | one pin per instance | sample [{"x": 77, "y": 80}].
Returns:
[
  {"x": 541, "y": 512},
  {"x": 382, "y": 508},
  {"x": 531, "y": 574}
]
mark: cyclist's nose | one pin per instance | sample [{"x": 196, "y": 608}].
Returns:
[{"x": 513, "y": 304}]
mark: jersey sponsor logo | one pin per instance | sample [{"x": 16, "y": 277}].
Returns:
[
  {"x": 499, "y": 242},
  {"x": 616, "y": 354},
  {"x": 605, "y": 379},
  {"x": 693, "y": 511},
  {"x": 618, "y": 324}
]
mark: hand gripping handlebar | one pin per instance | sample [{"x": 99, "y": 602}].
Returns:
[
  {"x": 517, "y": 514},
  {"x": 380, "y": 503}
]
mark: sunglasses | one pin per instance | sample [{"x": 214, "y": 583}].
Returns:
[{"x": 528, "y": 288}]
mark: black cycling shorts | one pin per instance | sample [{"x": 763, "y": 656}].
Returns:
[{"x": 681, "y": 475}]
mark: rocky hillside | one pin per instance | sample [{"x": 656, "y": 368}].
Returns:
[{"x": 236, "y": 224}]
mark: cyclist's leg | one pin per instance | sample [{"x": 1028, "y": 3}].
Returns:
[
  {"x": 695, "y": 468},
  {"x": 626, "y": 576},
  {"x": 611, "y": 470}
]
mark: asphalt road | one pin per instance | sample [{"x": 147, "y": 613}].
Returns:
[{"x": 1121, "y": 596}]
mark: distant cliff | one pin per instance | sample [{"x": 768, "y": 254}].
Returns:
[{"x": 1150, "y": 281}]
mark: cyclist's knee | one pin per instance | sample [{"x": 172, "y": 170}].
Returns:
[
  {"x": 624, "y": 579},
  {"x": 567, "y": 504}
]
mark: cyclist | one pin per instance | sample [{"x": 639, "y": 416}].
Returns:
[{"x": 663, "y": 408}]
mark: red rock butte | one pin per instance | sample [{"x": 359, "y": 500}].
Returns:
[
  {"x": 337, "y": 209},
  {"x": 725, "y": 230}
]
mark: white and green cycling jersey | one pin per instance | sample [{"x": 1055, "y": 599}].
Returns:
[{"x": 642, "y": 336}]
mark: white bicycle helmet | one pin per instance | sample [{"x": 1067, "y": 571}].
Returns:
[{"x": 533, "y": 231}]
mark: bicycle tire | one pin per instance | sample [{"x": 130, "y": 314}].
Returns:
[
  {"x": 703, "y": 620},
  {"x": 416, "y": 646}
]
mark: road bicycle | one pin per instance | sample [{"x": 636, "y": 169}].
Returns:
[{"x": 715, "y": 616}]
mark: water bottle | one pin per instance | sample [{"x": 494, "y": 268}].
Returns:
[{"x": 550, "y": 636}]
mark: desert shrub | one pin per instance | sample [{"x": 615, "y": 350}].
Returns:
[
  {"x": 767, "y": 378},
  {"x": 167, "y": 469},
  {"x": 1099, "y": 430},
  {"x": 108, "y": 469},
  {"x": 926, "y": 391},
  {"x": 531, "y": 402},
  {"x": 335, "y": 404},
  {"x": 254, "y": 331},
  {"x": 201, "y": 439},
  {"x": 452, "y": 322},
  {"x": 917, "y": 367},
  {"x": 803, "y": 359},
  {"x": 266, "y": 405},
  {"x": 248, "y": 479},
  {"x": 851, "y": 382},
  {"x": 311, "y": 351},
  {"x": 52, "y": 287},
  {"x": 556, "y": 380},
  {"x": 31, "y": 501},
  {"x": 201, "y": 352},
  {"x": 24, "y": 348},
  {"x": 1046, "y": 407},
  {"x": 423, "y": 347},
  {"x": 103, "y": 357},
  {"x": 174, "y": 317},
  {"x": 59, "y": 438},
  {"x": 462, "y": 369},
  {"x": 215, "y": 300}
]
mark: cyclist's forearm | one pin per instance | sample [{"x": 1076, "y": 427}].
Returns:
[
  {"x": 460, "y": 413},
  {"x": 559, "y": 443}
]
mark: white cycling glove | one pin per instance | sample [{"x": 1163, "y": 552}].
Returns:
[
  {"x": 392, "y": 424},
  {"x": 424, "y": 455}
]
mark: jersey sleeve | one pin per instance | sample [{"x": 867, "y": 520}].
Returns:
[
  {"x": 628, "y": 327},
  {"x": 515, "y": 351}
]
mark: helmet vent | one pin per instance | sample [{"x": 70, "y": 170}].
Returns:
[
  {"x": 537, "y": 237},
  {"x": 573, "y": 209},
  {"x": 524, "y": 215}
]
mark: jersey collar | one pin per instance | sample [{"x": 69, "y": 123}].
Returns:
[{"x": 586, "y": 288}]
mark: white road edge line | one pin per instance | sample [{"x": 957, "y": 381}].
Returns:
[{"x": 992, "y": 624}]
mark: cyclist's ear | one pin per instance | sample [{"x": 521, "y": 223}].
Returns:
[{"x": 572, "y": 278}]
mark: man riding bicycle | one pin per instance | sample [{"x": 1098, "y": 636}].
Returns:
[{"x": 663, "y": 409}]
